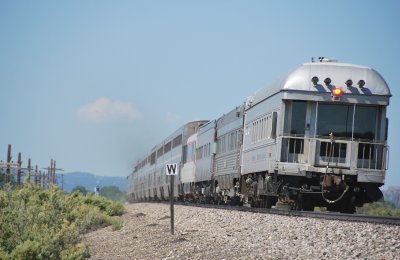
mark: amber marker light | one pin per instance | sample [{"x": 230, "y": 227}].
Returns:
[{"x": 337, "y": 92}]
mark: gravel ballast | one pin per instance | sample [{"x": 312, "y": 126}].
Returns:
[{"x": 202, "y": 233}]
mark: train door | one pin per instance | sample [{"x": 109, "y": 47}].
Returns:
[{"x": 294, "y": 147}]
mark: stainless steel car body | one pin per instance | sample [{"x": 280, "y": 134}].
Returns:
[
  {"x": 205, "y": 152},
  {"x": 229, "y": 145},
  {"x": 149, "y": 178},
  {"x": 277, "y": 154}
]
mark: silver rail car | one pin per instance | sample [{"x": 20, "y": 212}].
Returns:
[
  {"x": 148, "y": 181},
  {"x": 317, "y": 137}
]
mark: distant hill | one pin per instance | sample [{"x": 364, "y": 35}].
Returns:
[
  {"x": 392, "y": 194},
  {"x": 90, "y": 180}
]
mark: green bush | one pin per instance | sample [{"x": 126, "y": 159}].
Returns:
[
  {"x": 80, "y": 189},
  {"x": 111, "y": 208},
  {"x": 113, "y": 193},
  {"x": 379, "y": 209},
  {"x": 47, "y": 224}
]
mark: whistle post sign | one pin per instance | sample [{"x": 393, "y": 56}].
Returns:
[{"x": 171, "y": 168}]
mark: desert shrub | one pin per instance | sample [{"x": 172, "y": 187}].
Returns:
[
  {"x": 113, "y": 193},
  {"x": 48, "y": 224},
  {"x": 111, "y": 208},
  {"x": 80, "y": 189},
  {"x": 379, "y": 209}
]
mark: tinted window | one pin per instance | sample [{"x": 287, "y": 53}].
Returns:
[
  {"x": 336, "y": 119},
  {"x": 167, "y": 147},
  {"x": 177, "y": 141},
  {"x": 298, "y": 121},
  {"x": 365, "y": 122},
  {"x": 153, "y": 158},
  {"x": 160, "y": 152}
]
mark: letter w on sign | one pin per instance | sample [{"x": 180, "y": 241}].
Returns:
[{"x": 171, "y": 168}]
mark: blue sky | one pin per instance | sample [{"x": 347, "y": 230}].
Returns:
[{"x": 94, "y": 84}]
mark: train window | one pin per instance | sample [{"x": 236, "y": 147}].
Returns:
[
  {"x": 386, "y": 128},
  {"x": 274, "y": 124},
  {"x": 256, "y": 133},
  {"x": 184, "y": 151},
  {"x": 263, "y": 128},
  {"x": 177, "y": 141},
  {"x": 253, "y": 133},
  {"x": 365, "y": 122},
  {"x": 239, "y": 137},
  {"x": 336, "y": 119},
  {"x": 153, "y": 158},
  {"x": 191, "y": 152},
  {"x": 160, "y": 152},
  {"x": 167, "y": 147},
  {"x": 232, "y": 141},
  {"x": 199, "y": 153},
  {"x": 298, "y": 120}
]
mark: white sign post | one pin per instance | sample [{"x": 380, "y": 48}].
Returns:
[{"x": 171, "y": 169}]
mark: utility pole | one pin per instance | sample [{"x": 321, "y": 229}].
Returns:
[
  {"x": 51, "y": 173},
  {"x": 54, "y": 179},
  {"x": 40, "y": 179},
  {"x": 28, "y": 177},
  {"x": 8, "y": 179},
  {"x": 44, "y": 179},
  {"x": 51, "y": 170},
  {"x": 36, "y": 175},
  {"x": 19, "y": 162}
]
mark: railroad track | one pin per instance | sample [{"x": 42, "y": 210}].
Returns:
[{"x": 307, "y": 214}]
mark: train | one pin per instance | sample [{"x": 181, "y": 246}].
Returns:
[{"x": 317, "y": 137}]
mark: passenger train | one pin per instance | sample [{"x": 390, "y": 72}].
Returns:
[{"x": 315, "y": 138}]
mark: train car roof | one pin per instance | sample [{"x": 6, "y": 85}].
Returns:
[
  {"x": 176, "y": 133},
  {"x": 300, "y": 79}
]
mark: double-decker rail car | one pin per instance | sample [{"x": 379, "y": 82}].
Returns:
[
  {"x": 317, "y": 137},
  {"x": 148, "y": 180},
  {"x": 227, "y": 168},
  {"x": 204, "y": 162},
  {"x": 187, "y": 172}
]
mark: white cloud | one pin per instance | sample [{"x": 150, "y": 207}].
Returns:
[{"x": 104, "y": 110}]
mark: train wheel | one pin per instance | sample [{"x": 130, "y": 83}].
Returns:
[
  {"x": 299, "y": 202},
  {"x": 348, "y": 206},
  {"x": 304, "y": 203},
  {"x": 270, "y": 201}
]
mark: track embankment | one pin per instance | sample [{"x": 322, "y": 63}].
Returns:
[{"x": 206, "y": 233}]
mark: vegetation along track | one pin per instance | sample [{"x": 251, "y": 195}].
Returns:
[{"x": 307, "y": 214}]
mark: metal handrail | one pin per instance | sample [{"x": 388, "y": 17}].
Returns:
[{"x": 374, "y": 152}]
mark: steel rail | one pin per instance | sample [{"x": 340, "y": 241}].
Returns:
[{"x": 307, "y": 214}]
